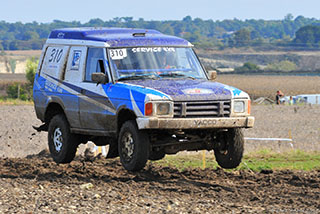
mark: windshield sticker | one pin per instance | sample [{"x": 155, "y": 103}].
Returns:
[
  {"x": 197, "y": 91},
  {"x": 118, "y": 53},
  {"x": 155, "y": 49},
  {"x": 76, "y": 60}
]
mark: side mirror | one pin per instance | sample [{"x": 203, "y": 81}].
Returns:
[
  {"x": 212, "y": 75},
  {"x": 99, "y": 78}
]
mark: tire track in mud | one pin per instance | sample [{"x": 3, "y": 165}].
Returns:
[{"x": 36, "y": 184}]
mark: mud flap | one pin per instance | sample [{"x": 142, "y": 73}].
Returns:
[
  {"x": 43, "y": 127},
  {"x": 113, "y": 149}
]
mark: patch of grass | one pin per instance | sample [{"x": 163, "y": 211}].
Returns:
[
  {"x": 6, "y": 101},
  {"x": 295, "y": 160},
  {"x": 261, "y": 160}
]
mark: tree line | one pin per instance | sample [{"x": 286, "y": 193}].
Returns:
[{"x": 294, "y": 32}]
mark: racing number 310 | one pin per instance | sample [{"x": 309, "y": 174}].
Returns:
[
  {"x": 55, "y": 55},
  {"x": 118, "y": 53}
]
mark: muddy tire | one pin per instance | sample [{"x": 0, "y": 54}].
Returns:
[
  {"x": 133, "y": 147},
  {"x": 230, "y": 148},
  {"x": 62, "y": 144}
]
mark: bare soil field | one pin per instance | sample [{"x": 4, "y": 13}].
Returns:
[
  {"x": 267, "y": 85},
  {"x": 18, "y": 59},
  {"x": 37, "y": 185},
  {"x": 20, "y": 55},
  {"x": 231, "y": 58},
  {"x": 33, "y": 183},
  {"x": 7, "y": 77},
  {"x": 26, "y": 53}
]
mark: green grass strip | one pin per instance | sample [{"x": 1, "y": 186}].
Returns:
[
  {"x": 8, "y": 101},
  {"x": 257, "y": 161}
]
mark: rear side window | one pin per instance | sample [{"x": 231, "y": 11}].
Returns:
[
  {"x": 55, "y": 60},
  {"x": 94, "y": 62}
]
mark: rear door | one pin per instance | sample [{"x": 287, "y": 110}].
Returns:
[{"x": 72, "y": 79}]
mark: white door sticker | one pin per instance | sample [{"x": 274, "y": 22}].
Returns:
[{"x": 76, "y": 60}]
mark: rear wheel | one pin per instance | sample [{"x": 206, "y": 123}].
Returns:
[
  {"x": 62, "y": 144},
  {"x": 133, "y": 147},
  {"x": 229, "y": 150}
]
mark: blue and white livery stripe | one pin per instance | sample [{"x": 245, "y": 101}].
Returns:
[{"x": 75, "y": 90}]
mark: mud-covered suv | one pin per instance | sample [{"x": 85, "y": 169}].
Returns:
[{"x": 143, "y": 93}]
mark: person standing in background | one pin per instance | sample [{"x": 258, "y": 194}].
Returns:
[
  {"x": 291, "y": 101},
  {"x": 278, "y": 96}
]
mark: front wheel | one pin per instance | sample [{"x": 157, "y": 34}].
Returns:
[
  {"x": 229, "y": 150},
  {"x": 62, "y": 144},
  {"x": 133, "y": 147}
]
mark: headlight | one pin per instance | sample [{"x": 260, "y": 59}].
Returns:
[
  {"x": 238, "y": 107},
  {"x": 158, "y": 109},
  {"x": 241, "y": 107},
  {"x": 163, "y": 109}
]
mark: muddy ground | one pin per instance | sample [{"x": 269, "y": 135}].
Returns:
[{"x": 35, "y": 184}]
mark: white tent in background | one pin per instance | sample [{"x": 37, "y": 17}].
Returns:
[{"x": 309, "y": 98}]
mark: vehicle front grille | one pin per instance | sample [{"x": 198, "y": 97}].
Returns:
[{"x": 202, "y": 109}]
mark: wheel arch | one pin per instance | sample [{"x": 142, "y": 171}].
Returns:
[
  {"x": 53, "y": 108},
  {"x": 123, "y": 115}
]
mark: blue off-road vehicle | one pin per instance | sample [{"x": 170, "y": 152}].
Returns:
[{"x": 143, "y": 93}]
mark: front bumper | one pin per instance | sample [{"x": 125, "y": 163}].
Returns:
[{"x": 195, "y": 123}]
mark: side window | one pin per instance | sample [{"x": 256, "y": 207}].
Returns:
[
  {"x": 184, "y": 61},
  {"x": 94, "y": 63}
]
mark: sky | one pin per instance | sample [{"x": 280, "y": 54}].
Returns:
[{"x": 43, "y": 11}]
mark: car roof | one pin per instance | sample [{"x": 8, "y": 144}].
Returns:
[{"x": 119, "y": 37}]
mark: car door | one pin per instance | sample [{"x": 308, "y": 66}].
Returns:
[{"x": 96, "y": 110}]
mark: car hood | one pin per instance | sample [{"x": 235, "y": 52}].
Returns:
[{"x": 190, "y": 90}]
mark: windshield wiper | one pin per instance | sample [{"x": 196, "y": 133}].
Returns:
[
  {"x": 176, "y": 75},
  {"x": 136, "y": 77}
]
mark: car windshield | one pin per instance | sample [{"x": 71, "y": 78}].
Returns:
[{"x": 155, "y": 62}]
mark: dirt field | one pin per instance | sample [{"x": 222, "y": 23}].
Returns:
[
  {"x": 7, "y": 78},
  {"x": 35, "y": 184},
  {"x": 231, "y": 58},
  {"x": 266, "y": 86},
  {"x": 301, "y": 123}
]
